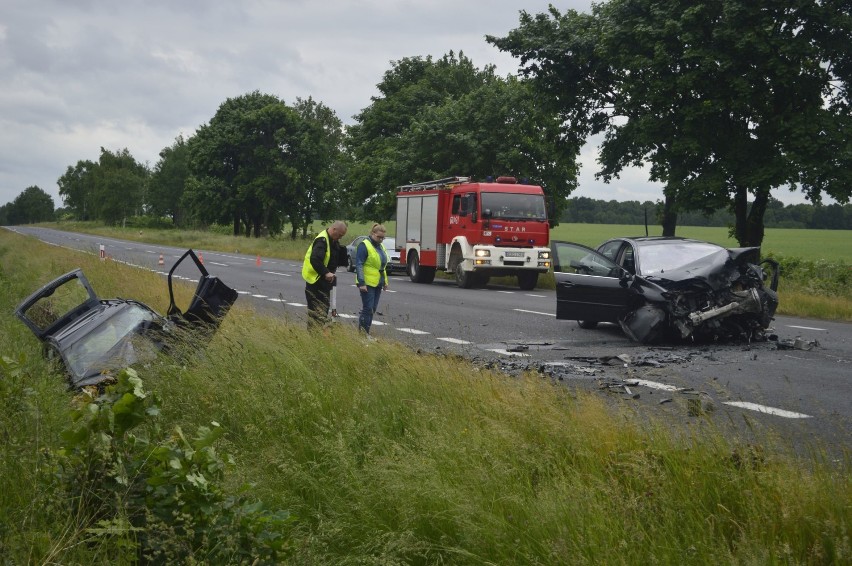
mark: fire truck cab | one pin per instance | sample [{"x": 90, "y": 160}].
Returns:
[{"x": 475, "y": 230}]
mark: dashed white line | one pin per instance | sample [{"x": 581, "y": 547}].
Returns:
[
  {"x": 244, "y": 292},
  {"x": 767, "y": 410},
  {"x": 508, "y": 353},
  {"x": 276, "y": 300},
  {"x": 276, "y": 273},
  {"x": 507, "y": 292},
  {"x": 297, "y": 305},
  {"x": 536, "y": 312},
  {"x": 805, "y": 327},
  {"x": 454, "y": 340},
  {"x": 411, "y": 330},
  {"x": 259, "y": 296},
  {"x": 539, "y": 296},
  {"x": 219, "y": 264}
]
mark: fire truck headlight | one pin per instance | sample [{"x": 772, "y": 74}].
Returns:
[
  {"x": 482, "y": 262},
  {"x": 543, "y": 255},
  {"x": 482, "y": 253},
  {"x": 544, "y": 264}
]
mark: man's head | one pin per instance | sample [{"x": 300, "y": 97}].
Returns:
[{"x": 337, "y": 230}]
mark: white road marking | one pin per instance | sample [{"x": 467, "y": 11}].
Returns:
[
  {"x": 276, "y": 300},
  {"x": 804, "y": 327},
  {"x": 539, "y": 296},
  {"x": 508, "y": 353},
  {"x": 411, "y": 330},
  {"x": 380, "y": 323},
  {"x": 276, "y": 273},
  {"x": 454, "y": 340},
  {"x": 536, "y": 312},
  {"x": 244, "y": 292},
  {"x": 655, "y": 385},
  {"x": 507, "y": 292},
  {"x": 259, "y": 296},
  {"x": 768, "y": 410},
  {"x": 296, "y": 305},
  {"x": 219, "y": 264},
  {"x": 348, "y": 316}
]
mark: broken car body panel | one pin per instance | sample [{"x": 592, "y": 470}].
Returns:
[
  {"x": 659, "y": 288},
  {"x": 95, "y": 338}
]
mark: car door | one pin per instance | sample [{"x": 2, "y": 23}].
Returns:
[{"x": 589, "y": 286}]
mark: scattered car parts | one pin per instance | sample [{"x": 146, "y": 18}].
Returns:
[{"x": 95, "y": 338}]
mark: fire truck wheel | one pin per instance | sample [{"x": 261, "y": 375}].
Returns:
[
  {"x": 416, "y": 272},
  {"x": 464, "y": 279},
  {"x": 527, "y": 280}
]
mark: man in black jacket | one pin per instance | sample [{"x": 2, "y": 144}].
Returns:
[{"x": 321, "y": 259}]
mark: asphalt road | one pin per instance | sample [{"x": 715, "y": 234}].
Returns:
[{"x": 797, "y": 387}]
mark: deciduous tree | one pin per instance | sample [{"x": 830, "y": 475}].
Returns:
[{"x": 726, "y": 99}]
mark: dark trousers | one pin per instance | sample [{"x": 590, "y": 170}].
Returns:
[{"x": 318, "y": 296}]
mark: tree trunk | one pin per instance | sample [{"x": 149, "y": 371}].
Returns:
[
  {"x": 754, "y": 228},
  {"x": 669, "y": 219},
  {"x": 236, "y": 224},
  {"x": 740, "y": 210}
]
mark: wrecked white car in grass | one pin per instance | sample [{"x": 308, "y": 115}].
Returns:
[
  {"x": 95, "y": 338},
  {"x": 661, "y": 289}
]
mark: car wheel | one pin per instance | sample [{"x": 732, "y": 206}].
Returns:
[{"x": 588, "y": 324}]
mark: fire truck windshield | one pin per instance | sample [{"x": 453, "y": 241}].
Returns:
[{"x": 514, "y": 206}]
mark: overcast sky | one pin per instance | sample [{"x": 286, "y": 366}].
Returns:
[{"x": 76, "y": 75}]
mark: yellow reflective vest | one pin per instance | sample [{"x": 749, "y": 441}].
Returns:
[
  {"x": 373, "y": 265},
  {"x": 309, "y": 274}
]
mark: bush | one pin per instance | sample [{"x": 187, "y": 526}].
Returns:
[{"x": 157, "y": 496}]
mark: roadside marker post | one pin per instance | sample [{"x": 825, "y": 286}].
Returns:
[{"x": 102, "y": 252}]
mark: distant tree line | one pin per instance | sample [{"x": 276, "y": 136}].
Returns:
[
  {"x": 778, "y": 215},
  {"x": 725, "y": 101}
]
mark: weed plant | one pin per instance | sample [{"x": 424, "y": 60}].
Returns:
[{"x": 385, "y": 456}]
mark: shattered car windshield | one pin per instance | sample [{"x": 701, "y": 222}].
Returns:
[
  {"x": 659, "y": 258},
  {"x": 112, "y": 345}
]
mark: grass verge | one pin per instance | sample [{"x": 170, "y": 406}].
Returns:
[{"x": 386, "y": 456}]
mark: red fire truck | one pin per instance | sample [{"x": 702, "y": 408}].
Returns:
[{"x": 474, "y": 230}]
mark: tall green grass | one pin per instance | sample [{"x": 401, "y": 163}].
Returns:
[{"x": 386, "y": 456}]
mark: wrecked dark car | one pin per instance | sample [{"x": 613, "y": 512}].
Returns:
[
  {"x": 95, "y": 338},
  {"x": 662, "y": 289}
]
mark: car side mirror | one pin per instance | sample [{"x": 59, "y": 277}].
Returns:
[
  {"x": 625, "y": 278},
  {"x": 473, "y": 217}
]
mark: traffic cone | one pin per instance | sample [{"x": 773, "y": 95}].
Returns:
[
  {"x": 161, "y": 262},
  {"x": 200, "y": 258},
  {"x": 257, "y": 262}
]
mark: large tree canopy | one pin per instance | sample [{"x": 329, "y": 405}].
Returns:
[
  {"x": 32, "y": 205},
  {"x": 168, "y": 182},
  {"x": 726, "y": 99},
  {"x": 446, "y": 117},
  {"x": 259, "y": 161}
]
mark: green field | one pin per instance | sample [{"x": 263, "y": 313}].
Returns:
[{"x": 830, "y": 245}]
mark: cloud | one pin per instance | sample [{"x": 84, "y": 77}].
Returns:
[{"x": 79, "y": 75}]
